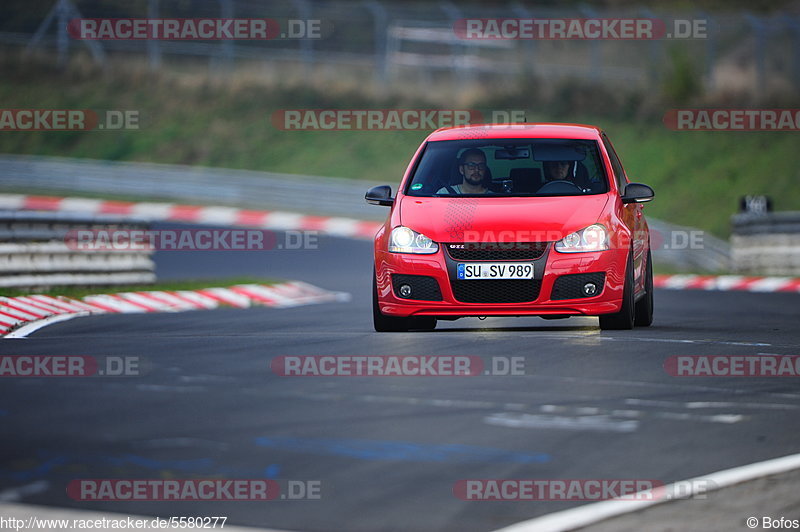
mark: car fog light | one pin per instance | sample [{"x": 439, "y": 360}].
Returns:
[
  {"x": 405, "y": 290},
  {"x": 589, "y": 289}
]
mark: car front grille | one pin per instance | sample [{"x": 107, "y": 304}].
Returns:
[
  {"x": 497, "y": 251},
  {"x": 496, "y": 290}
]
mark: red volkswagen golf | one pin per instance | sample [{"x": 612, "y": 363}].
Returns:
[{"x": 513, "y": 220}]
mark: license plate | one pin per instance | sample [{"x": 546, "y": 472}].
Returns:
[{"x": 495, "y": 270}]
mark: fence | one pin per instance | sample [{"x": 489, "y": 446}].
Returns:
[
  {"x": 34, "y": 253},
  {"x": 766, "y": 243},
  {"x": 415, "y": 43}
]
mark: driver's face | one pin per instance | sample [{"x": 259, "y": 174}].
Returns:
[
  {"x": 474, "y": 169},
  {"x": 557, "y": 170}
]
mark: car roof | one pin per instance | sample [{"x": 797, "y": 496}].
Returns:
[{"x": 522, "y": 131}]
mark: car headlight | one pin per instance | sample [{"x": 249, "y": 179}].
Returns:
[
  {"x": 592, "y": 238},
  {"x": 404, "y": 240}
]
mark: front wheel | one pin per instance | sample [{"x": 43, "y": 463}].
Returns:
[
  {"x": 384, "y": 323},
  {"x": 624, "y": 319}
]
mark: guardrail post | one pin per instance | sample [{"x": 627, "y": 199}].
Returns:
[
  {"x": 380, "y": 28},
  {"x": 711, "y": 50},
  {"x": 459, "y": 49},
  {"x": 153, "y": 46},
  {"x": 655, "y": 49},
  {"x": 595, "y": 57},
  {"x": 306, "y": 45},
  {"x": 760, "y": 33},
  {"x": 64, "y": 11},
  {"x": 227, "y": 45},
  {"x": 530, "y": 44}
]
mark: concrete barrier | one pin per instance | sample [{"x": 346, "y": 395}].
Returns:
[
  {"x": 34, "y": 253},
  {"x": 766, "y": 243}
]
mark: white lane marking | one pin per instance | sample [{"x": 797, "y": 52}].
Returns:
[
  {"x": 535, "y": 421},
  {"x": 16, "y": 494},
  {"x": 670, "y": 387},
  {"x": 24, "y": 512},
  {"x": 599, "y": 511},
  {"x": 710, "y": 404},
  {"x": 32, "y": 327},
  {"x": 685, "y": 341},
  {"x": 683, "y": 416}
]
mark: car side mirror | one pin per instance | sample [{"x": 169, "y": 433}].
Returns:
[
  {"x": 381, "y": 195},
  {"x": 637, "y": 193}
]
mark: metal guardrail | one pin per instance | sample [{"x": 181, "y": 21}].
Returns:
[
  {"x": 710, "y": 254},
  {"x": 35, "y": 254},
  {"x": 213, "y": 186},
  {"x": 766, "y": 243}
]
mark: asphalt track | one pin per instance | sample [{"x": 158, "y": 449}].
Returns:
[{"x": 389, "y": 450}]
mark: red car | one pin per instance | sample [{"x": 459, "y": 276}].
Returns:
[{"x": 513, "y": 220}]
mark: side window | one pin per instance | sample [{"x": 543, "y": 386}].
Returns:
[{"x": 615, "y": 164}]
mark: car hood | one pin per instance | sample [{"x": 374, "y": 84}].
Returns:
[{"x": 488, "y": 219}]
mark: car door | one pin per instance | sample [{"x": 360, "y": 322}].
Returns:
[{"x": 632, "y": 215}]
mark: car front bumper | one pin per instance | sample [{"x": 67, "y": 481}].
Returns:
[{"x": 550, "y": 267}]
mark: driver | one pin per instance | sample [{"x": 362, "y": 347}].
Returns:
[
  {"x": 473, "y": 170},
  {"x": 571, "y": 171},
  {"x": 558, "y": 170}
]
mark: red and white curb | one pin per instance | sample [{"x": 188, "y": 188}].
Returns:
[
  {"x": 18, "y": 314},
  {"x": 171, "y": 212},
  {"x": 727, "y": 283},
  {"x": 336, "y": 226}
]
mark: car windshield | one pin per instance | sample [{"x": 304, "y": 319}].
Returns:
[{"x": 509, "y": 167}]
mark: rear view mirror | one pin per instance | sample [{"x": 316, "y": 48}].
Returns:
[
  {"x": 549, "y": 151},
  {"x": 511, "y": 152},
  {"x": 637, "y": 193},
  {"x": 381, "y": 195}
]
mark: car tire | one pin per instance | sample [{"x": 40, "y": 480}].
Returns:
[
  {"x": 384, "y": 323},
  {"x": 644, "y": 307},
  {"x": 624, "y": 319}
]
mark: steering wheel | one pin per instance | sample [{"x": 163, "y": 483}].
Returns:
[{"x": 559, "y": 186}]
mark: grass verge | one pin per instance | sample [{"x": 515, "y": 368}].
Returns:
[
  {"x": 698, "y": 176},
  {"x": 77, "y": 292}
]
